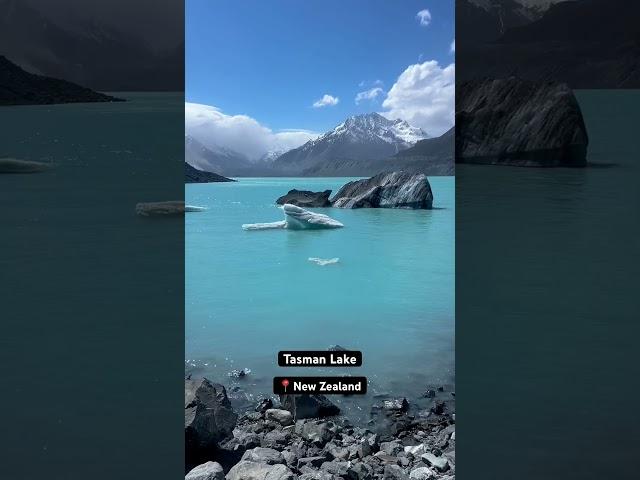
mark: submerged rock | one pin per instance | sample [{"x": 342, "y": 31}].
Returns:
[
  {"x": 13, "y": 165},
  {"x": 306, "y": 198},
  {"x": 517, "y": 122},
  {"x": 297, "y": 218},
  {"x": 386, "y": 190},
  {"x": 337, "y": 348}
]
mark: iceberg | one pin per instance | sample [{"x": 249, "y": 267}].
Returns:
[
  {"x": 324, "y": 261},
  {"x": 169, "y": 208},
  {"x": 297, "y": 218},
  {"x": 194, "y": 208}
]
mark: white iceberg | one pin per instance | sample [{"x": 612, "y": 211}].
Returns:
[
  {"x": 194, "y": 208},
  {"x": 297, "y": 218},
  {"x": 324, "y": 261}
]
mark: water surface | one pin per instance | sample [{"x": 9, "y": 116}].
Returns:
[{"x": 250, "y": 294}]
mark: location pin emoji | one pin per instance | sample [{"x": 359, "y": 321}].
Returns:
[{"x": 285, "y": 384}]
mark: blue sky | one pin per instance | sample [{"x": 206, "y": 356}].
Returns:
[{"x": 271, "y": 60}]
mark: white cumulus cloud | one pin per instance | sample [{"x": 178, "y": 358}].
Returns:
[
  {"x": 424, "y": 17},
  {"x": 240, "y": 133},
  {"x": 370, "y": 94},
  {"x": 424, "y": 96},
  {"x": 326, "y": 101},
  {"x": 452, "y": 47}
]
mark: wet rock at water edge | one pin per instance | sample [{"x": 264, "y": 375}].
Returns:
[
  {"x": 386, "y": 190},
  {"x": 306, "y": 198},
  {"x": 264, "y": 405},
  {"x": 239, "y": 373},
  {"x": 208, "y": 418},
  {"x": 309, "y": 406},
  {"x": 510, "y": 121}
]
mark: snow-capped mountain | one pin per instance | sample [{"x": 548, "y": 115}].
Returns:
[
  {"x": 219, "y": 160},
  {"x": 271, "y": 156},
  {"x": 359, "y": 138}
]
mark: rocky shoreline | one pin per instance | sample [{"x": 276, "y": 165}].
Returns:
[{"x": 305, "y": 437}]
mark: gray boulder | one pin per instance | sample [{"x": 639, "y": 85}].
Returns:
[
  {"x": 315, "y": 432},
  {"x": 438, "y": 463},
  {"x": 317, "y": 476},
  {"x": 206, "y": 471},
  {"x": 394, "y": 472},
  {"x": 421, "y": 473},
  {"x": 208, "y": 418},
  {"x": 263, "y": 455},
  {"x": 309, "y": 406},
  {"x": 386, "y": 190},
  {"x": 283, "y": 417},
  {"x": 516, "y": 122},
  {"x": 391, "y": 448},
  {"x": 305, "y": 198},
  {"x": 246, "y": 470}
]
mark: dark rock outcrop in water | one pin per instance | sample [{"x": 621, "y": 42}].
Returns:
[
  {"x": 193, "y": 175},
  {"x": 208, "y": 418},
  {"x": 13, "y": 165},
  {"x": 305, "y": 198},
  {"x": 18, "y": 87},
  {"x": 518, "y": 122},
  {"x": 386, "y": 190}
]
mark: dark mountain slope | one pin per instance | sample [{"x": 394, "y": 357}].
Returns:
[{"x": 18, "y": 87}]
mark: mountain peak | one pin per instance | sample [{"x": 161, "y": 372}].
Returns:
[{"x": 365, "y": 137}]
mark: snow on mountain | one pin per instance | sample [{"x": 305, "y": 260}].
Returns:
[
  {"x": 373, "y": 126},
  {"x": 220, "y": 160},
  {"x": 360, "y": 138}
]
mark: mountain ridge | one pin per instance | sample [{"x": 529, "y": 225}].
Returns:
[
  {"x": 19, "y": 87},
  {"x": 360, "y": 137}
]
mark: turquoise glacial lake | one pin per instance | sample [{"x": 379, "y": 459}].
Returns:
[{"x": 250, "y": 294}]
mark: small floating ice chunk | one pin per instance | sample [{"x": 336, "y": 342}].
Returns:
[
  {"x": 14, "y": 165},
  {"x": 265, "y": 226},
  {"x": 170, "y": 208},
  {"x": 324, "y": 261},
  {"x": 194, "y": 208},
  {"x": 297, "y": 218}
]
